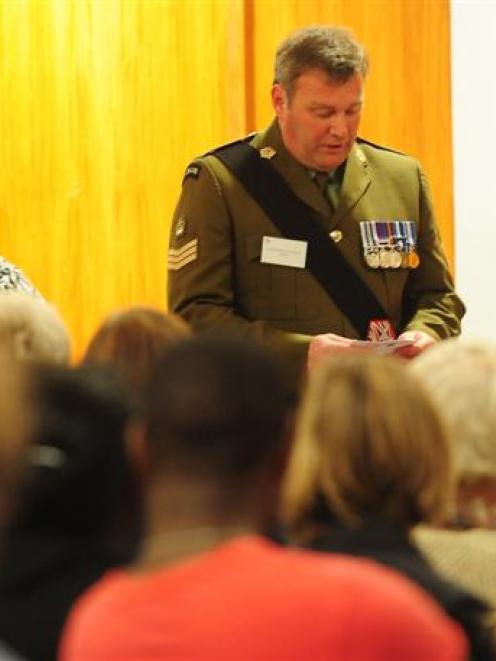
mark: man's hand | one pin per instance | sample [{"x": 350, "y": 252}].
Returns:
[
  {"x": 326, "y": 345},
  {"x": 421, "y": 341}
]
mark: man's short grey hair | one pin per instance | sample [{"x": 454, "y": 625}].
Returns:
[
  {"x": 461, "y": 375},
  {"x": 334, "y": 50},
  {"x": 31, "y": 330}
]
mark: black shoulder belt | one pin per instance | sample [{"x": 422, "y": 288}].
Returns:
[{"x": 295, "y": 220}]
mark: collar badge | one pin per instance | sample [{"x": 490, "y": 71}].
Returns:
[{"x": 267, "y": 153}]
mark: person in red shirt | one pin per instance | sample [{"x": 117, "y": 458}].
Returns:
[{"x": 207, "y": 584}]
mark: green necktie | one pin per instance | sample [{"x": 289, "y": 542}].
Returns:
[{"x": 329, "y": 187}]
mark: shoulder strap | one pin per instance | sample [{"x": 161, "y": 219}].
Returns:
[{"x": 295, "y": 220}]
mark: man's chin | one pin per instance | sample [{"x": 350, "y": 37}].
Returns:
[
  {"x": 324, "y": 165},
  {"x": 330, "y": 160}
]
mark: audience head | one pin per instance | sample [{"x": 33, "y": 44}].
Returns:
[
  {"x": 79, "y": 474},
  {"x": 131, "y": 341},
  {"x": 15, "y": 429},
  {"x": 31, "y": 330},
  {"x": 217, "y": 412},
  {"x": 461, "y": 377},
  {"x": 369, "y": 444}
]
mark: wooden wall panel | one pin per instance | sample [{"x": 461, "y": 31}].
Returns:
[
  {"x": 105, "y": 102},
  {"x": 103, "y": 105},
  {"x": 407, "y": 103}
]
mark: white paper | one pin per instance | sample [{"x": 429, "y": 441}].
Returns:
[
  {"x": 386, "y": 346},
  {"x": 284, "y": 252}
]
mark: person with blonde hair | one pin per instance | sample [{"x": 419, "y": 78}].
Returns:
[
  {"x": 461, "y": 377},
  {"x": 371, "y": 460},
  {"x": 32, "y": 330}
]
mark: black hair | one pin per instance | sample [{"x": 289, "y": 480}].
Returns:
[{"x": 217, "y": 406}]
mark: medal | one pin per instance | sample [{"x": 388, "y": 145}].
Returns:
[
  {"x": 386, "y": 244},
  {"x": 384, "y": 258},
  {"x": 414, "y": 259},
  {"x": 395, "y": 259},
  {"x": 372, "y": 259}
]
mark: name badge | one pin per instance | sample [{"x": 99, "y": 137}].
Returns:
[{"x": 284, "y": 252}]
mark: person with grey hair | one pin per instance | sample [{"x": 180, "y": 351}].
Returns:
[
  {"x": 31, "y": 329},
  {"x": 461, "y": 376},
  {"x": 306, "y": 236}
]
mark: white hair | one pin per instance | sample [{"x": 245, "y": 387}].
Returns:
[
  {"x": 31, "y": 329},
  {"x": 461, "y": 376}
]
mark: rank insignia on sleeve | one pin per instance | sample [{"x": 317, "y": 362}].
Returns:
[
  {"x": 179, "y": 257},
  {"x": 192, "y": 171},
  {"x": 180, "y": 228}
]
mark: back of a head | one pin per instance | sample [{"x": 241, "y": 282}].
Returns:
[
  {"x": 217, "y": 408},
  {"x": 32, "y": 330},
  {"x": 461, "y": 377},
  {"x": 15, "y": 429},
  {"x": 79, "y": 468},
  {"x": 131, "y": 341},
  {"x": 369, "y": 443},
  {"x": 331, "y": 49}
]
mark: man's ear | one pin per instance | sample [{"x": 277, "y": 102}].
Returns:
[
  {"x": 137, "y": 449},
  {"x": 279, "y": 99}
]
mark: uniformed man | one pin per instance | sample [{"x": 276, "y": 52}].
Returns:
[{"x": 306, "y": 236}]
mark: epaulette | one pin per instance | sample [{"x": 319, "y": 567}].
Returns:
[
  {"x": 362, "y": 141},
  {"x": 247, "y": 138},
  {"x": 194, "y": 168}
]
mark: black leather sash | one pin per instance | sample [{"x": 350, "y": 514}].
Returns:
[{"x": 295, "y": 220}]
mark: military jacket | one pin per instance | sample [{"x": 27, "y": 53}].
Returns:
[{"x": 216, "y": 278}]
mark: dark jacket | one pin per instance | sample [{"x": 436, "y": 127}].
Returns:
[
  {"x": 40, "y": 578},
  {"x": 391, "y": 546}
]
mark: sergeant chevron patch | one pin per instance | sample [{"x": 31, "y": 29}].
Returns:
[{"x": 179, "y": 257}]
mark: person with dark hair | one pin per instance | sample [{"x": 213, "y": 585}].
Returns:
[
  {"x": 15, "y": 427},
  {"x": 206, "y": 584},
  {"x": 305, "y": 236},
  {"x": 78, "y": 511},
  {"x": 131, "y": 341}
]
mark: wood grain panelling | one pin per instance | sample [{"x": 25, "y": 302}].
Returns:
[
  {"x": 104, "y": 102},
  {"x": 407, "y": 103}
]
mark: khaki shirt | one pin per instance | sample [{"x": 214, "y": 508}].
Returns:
[{"x": 217, "y": 281}]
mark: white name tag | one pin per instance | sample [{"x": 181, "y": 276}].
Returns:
[{"x": 284, "y": 252}]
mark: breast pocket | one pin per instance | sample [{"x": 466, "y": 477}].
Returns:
[{"x": 271, "y": 291}]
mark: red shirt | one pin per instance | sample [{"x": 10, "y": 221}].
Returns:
[{"x": 251, "y": 600}]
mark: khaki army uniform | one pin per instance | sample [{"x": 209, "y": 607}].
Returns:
[{"x": 217, "y": 281}]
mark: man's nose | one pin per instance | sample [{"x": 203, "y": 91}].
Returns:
[{"x": 338, "y": 126}]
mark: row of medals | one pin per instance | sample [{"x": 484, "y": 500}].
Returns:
[{"x": 390, "y": 258}]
